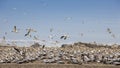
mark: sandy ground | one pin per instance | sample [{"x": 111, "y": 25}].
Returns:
[{"x": 38, "y": 65}]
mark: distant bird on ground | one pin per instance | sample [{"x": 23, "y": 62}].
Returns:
[
  {"x": 64, "y": 37},
  {"x": 29, "y": 30},
  {"x": 43, "y": 46},
  {"x": 16, "y": 49},
  {"x": 15, "y": 30}
]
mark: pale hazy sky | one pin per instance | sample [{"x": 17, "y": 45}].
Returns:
[{"x": 90, "y": 17}]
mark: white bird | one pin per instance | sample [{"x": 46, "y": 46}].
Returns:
[
  {"x": 50, "y": 36},
  {"x": 67, "y": 18},
  {"x": 15, "y": 29}
]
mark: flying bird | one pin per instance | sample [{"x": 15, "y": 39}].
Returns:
[
  {"x": 32, "y": 30},
  {"x": 67, "y": 18},
  {"x": 83, "y": 21},
  {"x": 5, "y": 33},
  {"x": 15, "y": 30},
  {"x": 64, "y": 37},
  {"x": 43, "y": 40},
  {"x": 51, "y": 29},
  {"x": 4, "y": 38},
  {"x": 29, "y": 31},
  {"x": 36, "y": 38},
  {"x": 81, "y": 34},
  {"x": 113, "y": 36},
  {"x": 50, "y": 36},
  {"x": 109, "y": 31},
  {"x": 57, "y": 42}
]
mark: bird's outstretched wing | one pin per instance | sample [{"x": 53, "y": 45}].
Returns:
[
  {"x": 27, "y": 33},
  {"x": 61, "y": 37}
]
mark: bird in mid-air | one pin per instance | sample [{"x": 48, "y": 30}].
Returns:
[
  {"x": 109, "y": 31},
  {"x": 15, "y": 30},
  {"x": 36, "y": 38},
  {"x": 29, "y": 31},
  {"x": 64, "y": 37}
]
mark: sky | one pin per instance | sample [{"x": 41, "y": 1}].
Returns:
[{"x": 91, "y": 18}]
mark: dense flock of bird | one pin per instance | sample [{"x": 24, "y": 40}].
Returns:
[
  {"x": 77, "y": 53},
  {"x": 51, "y": 36},
  {"x": 29, "y": 30}
]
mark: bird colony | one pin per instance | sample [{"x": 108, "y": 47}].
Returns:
[{"x": 77, "y": 53}]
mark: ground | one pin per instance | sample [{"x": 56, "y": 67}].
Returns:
[{"x": 39, "y": 65}]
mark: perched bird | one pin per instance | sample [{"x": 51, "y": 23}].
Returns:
[
  {"x": 43, "y": 46},
  {"x": 15, "y": 29},
  {"x": 16, "y": 49}
]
